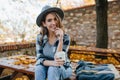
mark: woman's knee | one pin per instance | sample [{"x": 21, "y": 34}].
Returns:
[
  {"x": 40, "y": 72},
  {"x": 53, "y": 69},
  {"x": 68, "y": 73},
  {"x": 53, "y": 73},
  {"x": 40, "y": 68}
]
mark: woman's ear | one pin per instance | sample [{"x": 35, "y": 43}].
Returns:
[{"x": 43, "y": 23}]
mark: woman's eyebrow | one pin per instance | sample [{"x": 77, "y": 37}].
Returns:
[{"x": 49, "y": 19}]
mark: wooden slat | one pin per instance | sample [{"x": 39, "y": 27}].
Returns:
[
  {"x": 93, "y": 49},
  {"x": 8, "y": 47}
]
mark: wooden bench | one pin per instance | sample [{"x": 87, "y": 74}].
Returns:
[
  {"x": 80, "y": 50},
  {"x": 112, "y": 67},
  {"x": 92, "y": 51}
]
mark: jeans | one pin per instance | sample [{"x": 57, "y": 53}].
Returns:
[
  {"x": 88, "y": 71},
  {"x": 108, "y": 76},
  {"x": 51, "y": 72}
]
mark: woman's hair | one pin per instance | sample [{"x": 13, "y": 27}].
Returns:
[
  {"x": 44, "y": 30},
  {"x": 59, "y": 24}
]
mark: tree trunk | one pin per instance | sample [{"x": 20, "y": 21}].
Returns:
[
  {"x": 101, "y": 23},
  {"x": 102, "y": 26}
]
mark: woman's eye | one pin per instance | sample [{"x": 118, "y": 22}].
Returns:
[{"x": 49, "y": 20}]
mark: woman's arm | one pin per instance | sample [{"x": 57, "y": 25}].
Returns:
[
  {"x": 60, "y": 45},
  {"x": 63, "y": 45},
  {"x": 57, "y": 62},
  {"x": 39, "y": 50}
]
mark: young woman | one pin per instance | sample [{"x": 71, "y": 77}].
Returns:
[{"x": 52, "y": 40}]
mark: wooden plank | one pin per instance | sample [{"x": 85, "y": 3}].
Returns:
[
  {"x": 5, "y": 77},
  {"x": 9, "y": 63},
  {"x": 93, "y": 49}
]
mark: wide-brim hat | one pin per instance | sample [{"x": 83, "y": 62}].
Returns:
[{"x": 47, "y": 9}]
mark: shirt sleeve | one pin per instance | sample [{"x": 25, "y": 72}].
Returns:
[
  {"x": 66, "y": 43},
  {"x": 39, "y": 50}
]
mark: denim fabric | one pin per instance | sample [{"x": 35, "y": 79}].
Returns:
[
  {"x": 88, "y": 71},
  {"x": 53, "y": 72},
  {"x": 108, "y": 76}
]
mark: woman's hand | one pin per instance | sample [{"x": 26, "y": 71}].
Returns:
[
  {"x": 59, "y": 33},
  {"x": 58, "y": 62}
]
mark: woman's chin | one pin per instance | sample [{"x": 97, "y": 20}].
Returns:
[{"x": 52, "y": 30}]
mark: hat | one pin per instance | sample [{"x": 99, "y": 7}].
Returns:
[{"x": 47, "y": 9}]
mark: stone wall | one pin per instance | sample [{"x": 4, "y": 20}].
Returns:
[{"x": 80, "y": 23}]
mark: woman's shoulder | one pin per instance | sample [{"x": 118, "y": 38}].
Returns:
[
  {"x": 42, "y": 38},
  {"x": 39, "y": 36}
]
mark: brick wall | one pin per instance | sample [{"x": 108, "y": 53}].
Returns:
[{"x": 80, "y": 23}]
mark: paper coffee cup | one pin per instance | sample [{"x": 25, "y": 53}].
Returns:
[{"x": 61, "y": 55}]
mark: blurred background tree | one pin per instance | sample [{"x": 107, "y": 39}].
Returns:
[{"x": 101, "y": 24}]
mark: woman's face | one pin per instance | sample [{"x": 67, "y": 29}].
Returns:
[{"x": 51, "y": 22}]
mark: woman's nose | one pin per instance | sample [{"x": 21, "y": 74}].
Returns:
[{"x": 53, "y": 22}]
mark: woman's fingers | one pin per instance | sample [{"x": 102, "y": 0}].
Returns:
[
  {"x": 58, "y": 32},
  {"x": 59, "y": 62}
]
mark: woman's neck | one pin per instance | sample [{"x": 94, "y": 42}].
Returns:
[
  {"x": 52, "y": 35},
  {"x": 51, "y": 38}
]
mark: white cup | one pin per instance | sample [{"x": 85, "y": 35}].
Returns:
[{"x": 61, "y": 55}]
